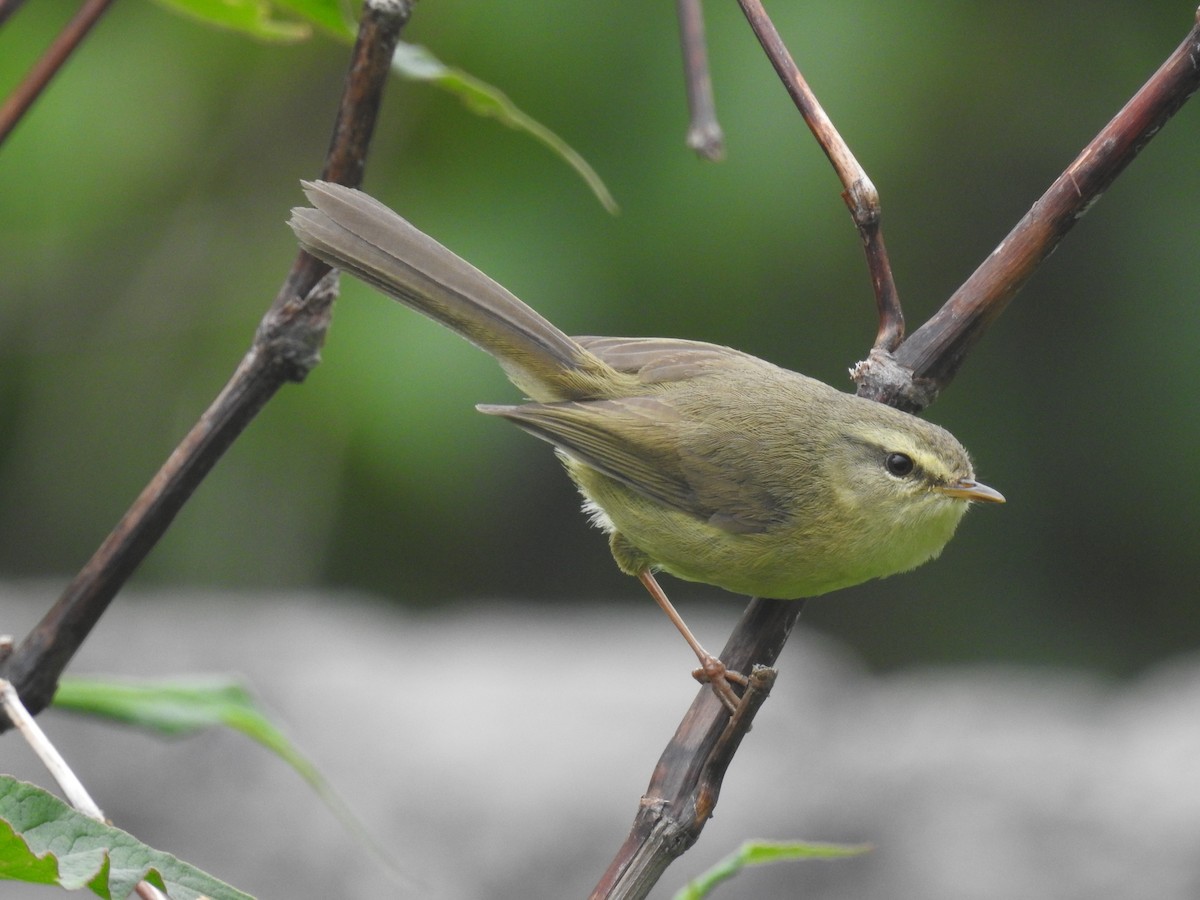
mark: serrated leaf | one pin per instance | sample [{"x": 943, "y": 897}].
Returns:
[
  {"x": 255, "y": 18},
  {"x": 754, "y": 853},
  {"x": 45, "y": 841},
  {"x": 417, "y": 63}
]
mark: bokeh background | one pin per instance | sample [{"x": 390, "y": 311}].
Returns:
[{"x": 142, "y": 209}]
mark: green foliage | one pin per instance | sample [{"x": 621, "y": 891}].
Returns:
[
  {"x": 253, "y": 17},
  {"x": 331, "y": 15},
  {"x": 173, "y": 707},
  {"x": 755, "y": 853},
  {"x": 256, "y": 18},
  {"x": 45, "y": 841},
  {"x": 184, "y": 706},
  {"x": 419, "y": 64}
]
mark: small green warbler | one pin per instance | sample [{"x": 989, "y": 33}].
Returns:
[{"x": 696, "y": 459}]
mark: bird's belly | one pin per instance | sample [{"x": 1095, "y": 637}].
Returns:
[
  {"x": 647, "y": 534},
  {"x": 786, "y": 562}
]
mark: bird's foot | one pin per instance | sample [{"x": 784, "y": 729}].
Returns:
[{"x": 714, "y": 673}]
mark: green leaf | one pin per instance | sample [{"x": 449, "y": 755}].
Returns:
[
  {"x": 252, "y": 17},
  {"x": 173, "y": 707},
  {"x": 256, "y": 18},
  {"x": 754, "y": 853},
  {"x": 419, "y": 64},
  {"x": 184, "y": 706},
  {"x": 329, "y": 15},
  {"x": 45, "y": 841}
]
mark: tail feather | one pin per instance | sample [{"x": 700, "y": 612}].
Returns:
[{"x": 358, "y": 234}]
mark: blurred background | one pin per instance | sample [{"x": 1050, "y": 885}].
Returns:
[{"x": 142, "y": 209}]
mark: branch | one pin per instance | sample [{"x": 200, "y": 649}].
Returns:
[
  {"x": 72, "y": 788},
  {"x": 927, "y": 362},
  {"x": 704, "y": 131},
  {"x": 8, "y": 7},
  {"x": 686, "y": 781},
  {"x": 56, "y": 55},
  {"x": 285, "y": 348},
  {"x": 45, "y": 750},
  {"x": 859, "y": 195}
]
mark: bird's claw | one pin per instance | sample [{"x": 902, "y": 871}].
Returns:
[{"x": 714, "y": 673}]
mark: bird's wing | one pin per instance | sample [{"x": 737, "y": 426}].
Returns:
[
  {"x": 660, "y": 360},
  {"x": 636, "y": 440}
]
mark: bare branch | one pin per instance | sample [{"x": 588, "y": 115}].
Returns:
[
  {"x": 930, "y": 358},
  {"x": 41, "y": 745},
  {"x": 704, "y": 131},
  {"x": 859, "y": 195},
  {"x": 687, "y": 780},
  {"x": 56, "y": 55},
  {"x": 285, "y": 348}
]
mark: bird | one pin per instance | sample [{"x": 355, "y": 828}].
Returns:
[{"x": 696, "y": 459}]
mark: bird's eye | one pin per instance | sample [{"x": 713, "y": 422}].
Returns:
[{"x": 899, "y": 464}]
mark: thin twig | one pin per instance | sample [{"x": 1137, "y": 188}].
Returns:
[
  {"x": 704, "y": 131},
  {"x": 859, "y": 193},
  {"x": 286, "y": 347},
  {"x": 56, "y": 55},
  {"x": 41, "y": 745},
  {"x": 72, "y": 788},
  {"x": 147, "y": 891}
]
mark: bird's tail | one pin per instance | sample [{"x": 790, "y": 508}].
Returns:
[{"x": 357, "y": 234}]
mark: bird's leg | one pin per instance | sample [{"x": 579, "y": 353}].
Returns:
[{"x": 711, "y": 670}]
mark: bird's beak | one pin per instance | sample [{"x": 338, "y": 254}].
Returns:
[{"x": 969, "y": 489}]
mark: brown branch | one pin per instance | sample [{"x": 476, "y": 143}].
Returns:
[
  {"x": 688, "y": 776},
  {"x": 56, "y": 55},
  {"x": 8, "y": 7},
  {"x": 925, "y": 363},
  {"x": 859, "y": 193},
  {"x": 687, "y": 780},
  {"x": 345, "y": 161},
  {"x": 704, "y": 131},
  {"x": 285, "y": 348}
]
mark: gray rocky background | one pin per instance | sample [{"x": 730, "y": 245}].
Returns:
[{"x": 499, "y": 752}]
